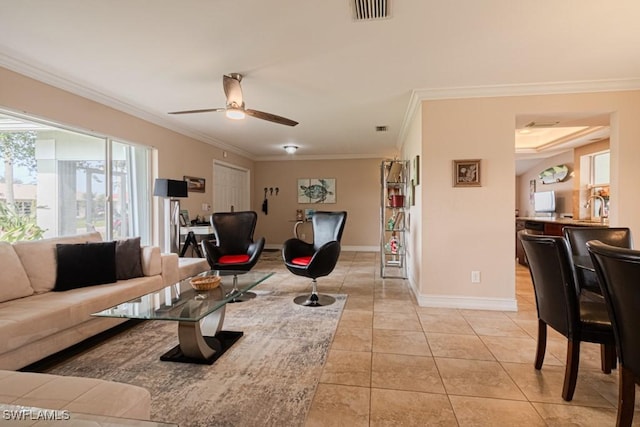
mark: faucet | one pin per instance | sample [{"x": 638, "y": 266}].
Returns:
[{"x": 588, "y": 203}]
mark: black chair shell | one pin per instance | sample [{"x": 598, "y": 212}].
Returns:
[
  {"x": 234, "y": 237},
  {"x": 324, "y": 252}
]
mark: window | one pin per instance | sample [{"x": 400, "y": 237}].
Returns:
[
  {"x": 600, "y": 168},
  {"x": 56, "y": 182},
  {"x": 130, "y": 190},
  {"x": 595, "y": 198}
]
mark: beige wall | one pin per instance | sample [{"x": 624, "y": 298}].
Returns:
[
  {"x": 453, "y": 230},
  {"x": 466, "y": 229},
  {"x": 177, "y": 155},
  {"x": 357, "y": 192},
  {"x": 564, "y": 189}
]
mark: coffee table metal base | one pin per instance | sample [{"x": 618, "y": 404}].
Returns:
[
  {"x": 220, "y": 343},
  {"x": 203, "y": 341}
]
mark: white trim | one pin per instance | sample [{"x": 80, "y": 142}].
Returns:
[
  {"x": 361, "y": 248},
  {"x": 584, "y": 86},
  {"x": 464, "y": 302},
  {"x": 75, "y": 88},
  {"x": 551, "y": 88},
  {"x": 344, "y": 248},
  {"x": 318, "y": 157}
]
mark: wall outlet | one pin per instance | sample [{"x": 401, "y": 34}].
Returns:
[{"x": 475, "y": 277}]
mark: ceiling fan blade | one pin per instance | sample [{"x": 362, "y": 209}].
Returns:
[
  {"x": 206, "y": 110},
  {"x": 233, "y": 90},
  {"x": 270, "y": 117}
]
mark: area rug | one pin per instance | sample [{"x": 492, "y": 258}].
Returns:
[{"x": 268, "y": 378}]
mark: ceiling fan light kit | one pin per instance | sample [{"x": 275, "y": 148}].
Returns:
[
  {"x": 235, "y": 113},
  {"x": 235, "y": 105}
]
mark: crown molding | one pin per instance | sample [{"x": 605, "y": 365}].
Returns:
[
  {"x": 527, "y": 89},
  {"x": 41, "y": 75},
  {"x": 287, "y": 157}
]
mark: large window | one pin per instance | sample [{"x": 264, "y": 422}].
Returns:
[{"x": 55, "y": 182}]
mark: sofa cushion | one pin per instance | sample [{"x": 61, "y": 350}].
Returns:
[
  {"x": 152, "y": 261},
  {"x": 85, "y": 264},
  {"x": 27, "y": 320},
  {"x": 128, "y": 258},
  {"x": 75, "y": 394},
  {"x": 38, "y": 258},
  {"x": 14, "y": 282}
]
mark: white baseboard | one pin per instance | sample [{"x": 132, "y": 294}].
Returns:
[
  {"x": 361, "y": 248},
  {"x": 465, "y": 302},
  {"x": 344, "y": 248}
]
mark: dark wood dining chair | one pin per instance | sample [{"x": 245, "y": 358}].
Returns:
[
  {"x": 618, "y": 271},
  {"x": 559, "y": 306},
  {"x": 577, "y": 238}
]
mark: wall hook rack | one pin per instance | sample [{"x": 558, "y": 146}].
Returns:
[{"x": 268, "y": 191}]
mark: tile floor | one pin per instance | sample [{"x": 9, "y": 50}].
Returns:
[{"x": 394, "y": 363}]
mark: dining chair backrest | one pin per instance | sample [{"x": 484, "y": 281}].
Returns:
[
  {"x": 618, "y": 271},
  {"x": 553, "y": 281},
  {"x": 577, "y": 237}
]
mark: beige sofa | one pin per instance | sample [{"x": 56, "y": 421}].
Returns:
[
  {"x": 36, "y": 322},
  {"x": 72, "y": 396}
]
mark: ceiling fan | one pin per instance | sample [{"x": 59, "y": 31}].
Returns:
[{"x": 235, "y": 105}]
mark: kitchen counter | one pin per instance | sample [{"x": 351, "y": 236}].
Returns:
[
  {"x": 564, "y": 221},
  {"x": 548, "y": 226}
]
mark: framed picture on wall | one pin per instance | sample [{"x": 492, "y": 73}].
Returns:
[
  {"x": 316, "y": 190},
  {"x": 195, "y": 185},
  {"x": 466, "y": 173}
]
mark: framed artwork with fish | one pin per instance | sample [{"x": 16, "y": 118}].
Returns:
[{"x": 316, "y": 190}]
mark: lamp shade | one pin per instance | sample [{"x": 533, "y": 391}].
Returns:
[{"x": 170, "y": 188}]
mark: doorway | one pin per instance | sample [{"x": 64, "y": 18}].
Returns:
[{"x": 231, "y": 188}]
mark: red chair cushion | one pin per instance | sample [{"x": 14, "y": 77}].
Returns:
[
  {"x": 303, "y": 260},
  {"x": 233, "y": 259}
]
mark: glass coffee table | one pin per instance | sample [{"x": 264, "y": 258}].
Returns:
[{"x": 200, "y": 314}]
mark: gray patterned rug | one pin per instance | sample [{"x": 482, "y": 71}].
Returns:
[{"x": 267, "y": 378}]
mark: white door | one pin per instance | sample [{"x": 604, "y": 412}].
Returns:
[{"x": 230, "y": 188}]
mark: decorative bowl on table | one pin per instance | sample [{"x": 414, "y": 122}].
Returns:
[{"x": 205, "y": 283}]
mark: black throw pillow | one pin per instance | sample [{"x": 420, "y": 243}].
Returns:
[
  {"x": 128, "y": 258},
  {"x": 85, "y": 264}
]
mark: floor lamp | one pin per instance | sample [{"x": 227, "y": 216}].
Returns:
[{"x": 170, "y": 190}]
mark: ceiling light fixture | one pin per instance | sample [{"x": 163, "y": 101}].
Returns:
[
  {"x": 290, "y": 148},
  {"x": 235, "y": 113}
]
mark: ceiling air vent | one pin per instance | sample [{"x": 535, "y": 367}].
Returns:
[
  {"x": 367, "y": 10},
  {"x": 541, "y": 124},
  {"x": 381, "y": 128}
]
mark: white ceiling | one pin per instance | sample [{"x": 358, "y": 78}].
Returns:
[{"x": 309, "y": 61}]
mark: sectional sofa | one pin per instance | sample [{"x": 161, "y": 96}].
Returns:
[
  {"x": 48, "y": 290},
  {"x": 37, "y": 321}
]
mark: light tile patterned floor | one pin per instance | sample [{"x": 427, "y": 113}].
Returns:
[{"x": 394, "y": 363}]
